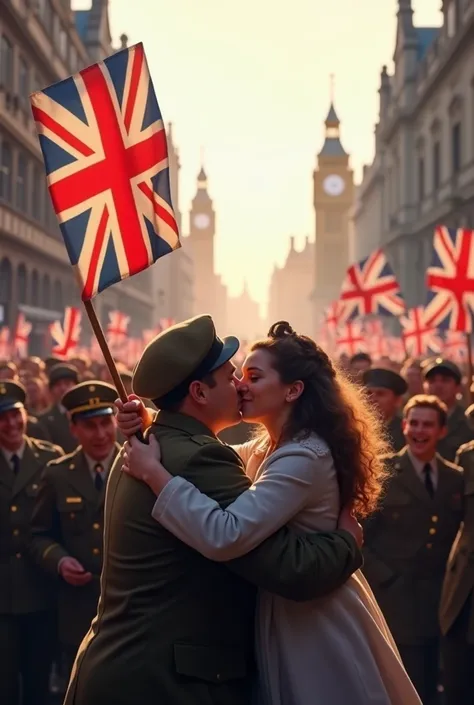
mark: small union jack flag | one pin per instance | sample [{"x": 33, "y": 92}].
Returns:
[
  {"x": 350, "y": 339},
  {"x": 419, "y": 338},
  {"x": 117, "y": 331},
  {"x": 21, "y": 336},
  {"x": 332, "y": 317},
  {"x": 455, "y": 346},
  {"x": 376, "y": 339},
  {"x": 67, "y": 335},
  {"x": 371, "y": 288},
  {"x": 450, "y": 280},
  {"x": 105, "y": 153},
  {"x": 4, "y": 343}
]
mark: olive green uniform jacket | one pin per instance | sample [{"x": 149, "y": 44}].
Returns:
[
  {"x": 172, "y": 626},
  {"x": 23, "y": 587},
  {"x": 459, "y": 580},
  {"x": 460, "y": 432},
  {"x": 68, "y": 520},
  {"x": 407, "y": 544},
  {"x": 57, "y": 425}
]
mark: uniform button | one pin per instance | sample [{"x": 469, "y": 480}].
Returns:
[
  {"x": 429, "y": 545},
  {"x": 432, "y": 531},
  {"x": 16, "y": 532},
  {"x": 434, "y": 518},
  {"x": 18, "y": 555},
  {"x": 95, "y": 551},
  {"x": 14, "y": 508},
  {"x": 96, "y": 526}
]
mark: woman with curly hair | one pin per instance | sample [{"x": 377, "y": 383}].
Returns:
[{"x": 319, "y": 449}]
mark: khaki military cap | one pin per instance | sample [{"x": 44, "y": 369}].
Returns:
[
  {"x": 444, "y": 367},
  {"x": 62, "y": 371},
  {"x": 89, "y": 399},
  {"x": 385, "y": 379},
  {"x": 12, "y": 396},
  {"x": 178, "y": 356}
]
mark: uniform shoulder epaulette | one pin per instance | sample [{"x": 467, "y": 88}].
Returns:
[
  {"x": 453, "y": 466},
  {"x": 203, "y": 440},
  {"x": 388, "y": 457},
  {"x": 466, "y": 447},
  {"x": 49, "y": 447}
]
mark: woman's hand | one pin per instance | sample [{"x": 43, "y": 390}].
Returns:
[
  {"x": 133, "y": 416},
  {"x": 143, "y": 462}
]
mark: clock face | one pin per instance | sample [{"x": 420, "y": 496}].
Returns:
[
  {"x": 333, "y": 185},
  {"x": 201, "y": 221}
]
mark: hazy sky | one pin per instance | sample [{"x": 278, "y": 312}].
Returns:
[{"x": 249, "y": 82}]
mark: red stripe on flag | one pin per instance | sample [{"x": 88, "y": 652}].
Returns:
[
  {"x": 134, "y": 82},
  {"x": 159, "y": 210},
  {"x": 98, "y": 242},
  {"x": 51, "y": 124}
]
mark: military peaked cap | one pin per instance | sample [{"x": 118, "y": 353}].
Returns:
[
  {"x": 386, "y": 379},
  {"x": 63, "y": 371},
  {"x": 443, "y": 367},
  {"x": 12, "y": 396},
  {"x": 178, "y": 356},
  {"x": 89, "y": 399}
]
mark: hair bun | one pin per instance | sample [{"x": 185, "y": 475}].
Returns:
[{"x": 281, "y": 329}]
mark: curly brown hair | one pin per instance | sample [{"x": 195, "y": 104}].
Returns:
[{"x": 335, "y": 409}]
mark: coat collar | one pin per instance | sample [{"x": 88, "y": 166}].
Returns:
[
  {"x": 79, "y": 476},
  {"x": 30, "y": 466},
  {"x": 408, "y": 477},
  {"x": 182, "y": 422}
]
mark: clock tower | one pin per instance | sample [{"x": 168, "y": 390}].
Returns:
[
  {"x": 202, "y": 228},
  {"x": 333, "y": 181}
]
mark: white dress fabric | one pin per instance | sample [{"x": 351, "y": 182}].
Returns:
[{"x": 335, "y": 650}]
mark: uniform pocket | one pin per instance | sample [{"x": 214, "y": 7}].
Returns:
[
  {"x": 208, "y": 663},
  {"x": 71, "y": 511}
]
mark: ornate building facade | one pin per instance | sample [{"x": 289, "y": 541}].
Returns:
[
  {"x": 333, "y": 182},
  {"x": 40, "y": 43},
  {"x": 243, "y": 317},
  {"x": 422, "y": 173}
]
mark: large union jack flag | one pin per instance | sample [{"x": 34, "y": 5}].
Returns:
[
  {"x": 450, "y": 280},
  {"x": 105, "y": 153},
  {"x": 371, "y": 288}
]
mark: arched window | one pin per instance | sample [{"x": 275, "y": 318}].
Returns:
[
  {"x": 58, "y": 300},
  {"x": 6, "y": 292},
  {"x": 22, "y": 284},
  {"x": 46, "y": 298},
  {"x": 35, "y": 288}
]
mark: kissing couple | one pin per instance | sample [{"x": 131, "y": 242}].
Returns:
[{"x": 231, "y": 575}]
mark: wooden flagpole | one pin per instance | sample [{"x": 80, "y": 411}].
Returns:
[
  {"x": 101, "y": 339},
  {"x": 470, "y": 393}
]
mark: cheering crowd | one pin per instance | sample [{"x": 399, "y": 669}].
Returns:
[{"x": 59, "y": 439}]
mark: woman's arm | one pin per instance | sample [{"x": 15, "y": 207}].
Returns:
[{"x": 271, "y": 502}]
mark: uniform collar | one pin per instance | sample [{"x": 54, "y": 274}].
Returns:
[{"x": 8, "y": 454}]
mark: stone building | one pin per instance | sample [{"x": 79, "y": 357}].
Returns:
[
  {"x": 290, "y": 289},
  {"x": 42, "y": 42},
  {"x": 422, "y": 173},
  {"x": 243, "y": 317}
]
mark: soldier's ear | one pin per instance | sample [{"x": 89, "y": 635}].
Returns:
[{"x": 197, "y": 393}]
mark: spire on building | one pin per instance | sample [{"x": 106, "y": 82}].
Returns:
[
  {"x": 332, "y": 146},
  {"x": 123, "y": 41}
]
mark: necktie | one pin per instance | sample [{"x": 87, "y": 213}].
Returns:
[
  {"x": 98, "y": 481},
  {"x": 15, "y": 460},
  {"x": 429, "y": 480}
]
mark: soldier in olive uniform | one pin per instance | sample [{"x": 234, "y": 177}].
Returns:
[
  {"x": 408, "y": 540},
  {"x": 27, "y": 598},
  {"x": 443, "y": 379},
  {"x": 67, "y": 523},
  {"x": 386, "y": 389},
  {"x": 172, "y": 626},
  {"x": 62, "y": 378},
  {"x": 457, "y": 599}
]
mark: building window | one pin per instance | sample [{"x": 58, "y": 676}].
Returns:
[
  {"x": 436, "y": 165},
  {"x": 21, "y": 284},
  {"x": 46, "y": 298},
  {"x": 6, "y": 289},
  {"x": 35, "y": 289},
  {"x": 23, "y": 83},
  {"x": 421, "y": 178},
  {"x": 456, "y": 147},
  {"x": 22, "y": 183},
  {"x": 5, "y": 171},
  {"x": 7, "y": 78},
  {"x": 58, "y": 296}
]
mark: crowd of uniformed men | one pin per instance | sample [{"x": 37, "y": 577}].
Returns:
[{"x": 58, "y": 440}]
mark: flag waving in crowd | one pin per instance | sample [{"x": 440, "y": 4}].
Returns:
[
  {"x": 66, "y": 335},
  {"x": 104, "y": 148}
]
